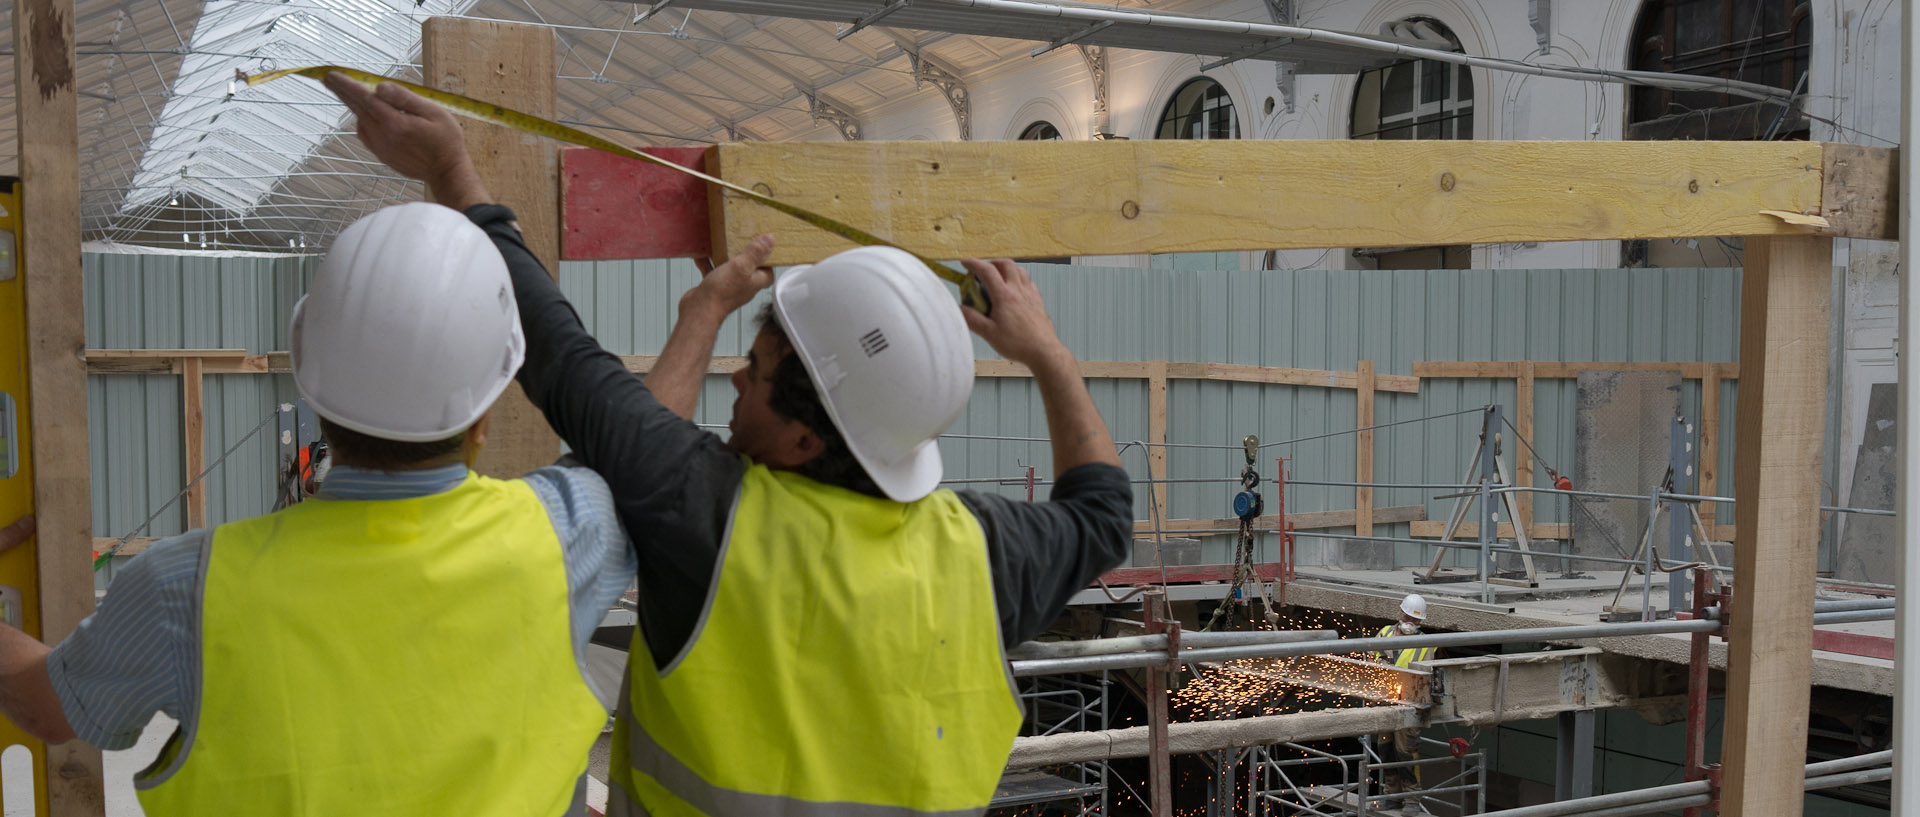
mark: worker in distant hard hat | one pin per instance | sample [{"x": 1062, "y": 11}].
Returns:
[
  {"x": 1403, "y": 745},
  {"x": 1413, "y": 614},
  {"x": 821, "y": 631},
  {"x": 408, "y": 642}
]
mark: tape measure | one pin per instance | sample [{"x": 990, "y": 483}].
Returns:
[{"x": 971, "y": 292}]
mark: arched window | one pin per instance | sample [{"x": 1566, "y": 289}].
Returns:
[
  {"x": 1041, "y": 131},
  {"x": 1762, "y": 41},
  {"x": 1416, "y": 99},
  {"x": 1201, "y": 109}
]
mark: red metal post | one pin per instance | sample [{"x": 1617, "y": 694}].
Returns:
[
  {"x": 1283, "y": 527},
  {"x": 1159, "y": 619},
  {"x": 1030, "y": 484},
  {"x": 1699, "y": 676}
]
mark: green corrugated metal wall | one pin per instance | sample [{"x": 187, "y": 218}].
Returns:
[{"x": 1298, "y": 318}]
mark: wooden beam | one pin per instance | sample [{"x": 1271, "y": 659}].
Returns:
[
  {"x": 625, "y": 208},
  {"x": 192, "y": 405},
  {"x": 131, "y": 365},
  {"x": 1133, "y": 370},
  {"x": 1709, "y": 445},
  {"x": 1521, "y": 454},
  {"x": 48, "y": 138},
  {"x": 1363, "y": 451},
  {"x": 1290, "y": 377},
  {"x": 1157, "y": 435},
  {"x": 1784, "y": 296},
  {"x": 1860, "y": 191},
  {"x": 513, "y": 65},
  {"x": 1566, "y": 369},
  {"x": 134, "y": 547},
  {"x": 1310, "y": 520},
  {"x": 1037, "y": 199},
  {"x": 164, "y": 354},
  {"x": 1469, "y": 531}
]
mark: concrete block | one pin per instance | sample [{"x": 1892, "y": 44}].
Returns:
[{"x": 1622, "y": 425}]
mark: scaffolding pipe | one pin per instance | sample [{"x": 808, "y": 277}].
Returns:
[
  {"x": 1906, "y": 719},
  {"x": 1834, "y": 781},
  {"x": 1033, "y": 650},
  {"x": 1854, "y": 616},
  {"x": 1829, "y": 774},
  {"x": 1853, "y": 604},
  {"x": 1578, "y": 632},
  {"x": 1411, "y": 486}
]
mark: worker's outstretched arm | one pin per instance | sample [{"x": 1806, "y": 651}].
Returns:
[
  {"x": 16, "y": 534},
  {"x": 1020, "y": 331},
  {"x": 1041, "y": 553},
  {"x": 26, "y": 692},
  {"x": 673, "y": 483},
  {"x": 414, "y": 136},
  {"x": 682, "y": 368}
]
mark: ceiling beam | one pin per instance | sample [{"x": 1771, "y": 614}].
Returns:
[{"x": 933, "y": 71}]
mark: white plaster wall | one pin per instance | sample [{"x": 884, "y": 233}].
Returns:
[{"x": 1855, "y": 84}]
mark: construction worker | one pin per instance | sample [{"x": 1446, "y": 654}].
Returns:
[
  {"x": 408, "y": 642},
  {"x": 1413, "y": 614},
  {"x": 1403, "y": 745},
  {"x": 821, "y": 631}
]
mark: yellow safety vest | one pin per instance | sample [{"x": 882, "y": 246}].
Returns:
[
  {"x": 389, "y": 657},
  {"x": 849, "y": 662},
  {"x": 1402, "y": 658}
]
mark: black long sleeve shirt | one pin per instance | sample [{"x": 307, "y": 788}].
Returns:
[{"x": 674, "y": 483}]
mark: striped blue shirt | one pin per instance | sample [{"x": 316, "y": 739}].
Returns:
[{"x": 137, "y": 654}]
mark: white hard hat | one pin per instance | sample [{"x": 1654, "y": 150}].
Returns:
[
  {"x": 1415, "y": 606},
  {"x": 409, "y": 331},
  {"x": 886, "y": 348}
]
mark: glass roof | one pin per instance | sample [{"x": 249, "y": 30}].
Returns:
[{"x": 226, "y": 145}]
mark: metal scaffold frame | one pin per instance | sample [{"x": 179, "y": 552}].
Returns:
[{"x": 1698, "y": 606}]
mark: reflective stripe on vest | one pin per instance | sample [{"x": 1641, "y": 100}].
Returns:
[
  {"x": 1402, "y": 658},
  {"x": 390, "y": 657},
  {"x": 848, "y": 662}
]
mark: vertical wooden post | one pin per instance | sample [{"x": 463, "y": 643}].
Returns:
[
  {"x": 1157, "y": 437},
  {"x": 192, "y": 383},
  {"x": 1523, "y": 456},
  {"x": 1779, "y": 433},
  {"x": 1363, "y": 452},
  {"x": 1709, "y": 443},
  {"x": 512, "y": 65},
  {"x": 49, "y": 140}
]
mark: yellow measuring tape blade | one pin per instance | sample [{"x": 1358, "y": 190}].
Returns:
[{"x": 971, "y": 293}]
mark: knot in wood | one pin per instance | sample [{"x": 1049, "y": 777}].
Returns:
[
  {"x": 1693, "y": 185},
  {"x": 1130, "y": 210},
  {"x": 1446, "y": 182}
]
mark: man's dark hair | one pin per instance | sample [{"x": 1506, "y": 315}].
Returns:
[
  {"x": 347, "y": 446},
  {"x": 794, "y": 398}
]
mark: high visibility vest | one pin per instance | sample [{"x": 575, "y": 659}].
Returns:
[
  {"x": 849, "y": 662},
  {"x": 389, "y": 657},
  {"x": 1402, "y": 658}
]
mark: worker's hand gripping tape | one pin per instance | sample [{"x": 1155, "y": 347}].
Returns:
[{"x": 971, "y": 293}]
